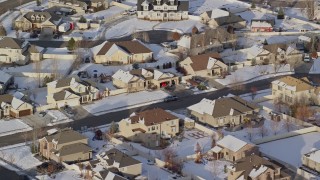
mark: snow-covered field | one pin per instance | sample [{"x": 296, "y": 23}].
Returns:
[
  {"x": 121, "y": 101},
  {"x": 128, "y": 27},
  {"x": 290, "y": 150},
  {"x": 315, "y": 69},
  {"x": 110, "y": 12},
  {"x": 211, "y": 170},
  {"x": 21, "y": 156},
  {"x": 199, "y": 6},
  {"x": 258, "y": 72},
  {"x": 13, "y": 126}
]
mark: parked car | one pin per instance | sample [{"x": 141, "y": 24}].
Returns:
[
  {"x": 170, "y": 98},
  {"x": 306, "y": 58}
]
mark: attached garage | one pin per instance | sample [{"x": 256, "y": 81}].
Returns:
[
  {"x": 13, "y": 114},
  {"x": 25, "y": 112},
  {"x": 47, "y": 30}
]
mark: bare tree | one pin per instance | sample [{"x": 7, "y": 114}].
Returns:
[
  {"x": 287, "y": 124},
  {"x": 145, "y": 37},
  {"x": 303, "y": 112},
  {"x": 3, "y": 155},
  {"x": 214, "y": 168},
  {"x": 236, "y": 83},
  {"x": 55, "y": 69},
  {"x": 37, "y": 69},
  {"x": 275, "y": 126},
  {"x": 262, "y": 131},
  {"x": 309, "y": 9},
  {"x": 11, "y": 158},
  {"x": 213, "y": 140},
  {"x": 253, "y": 91},
  {"x": 249, "y": 130}
]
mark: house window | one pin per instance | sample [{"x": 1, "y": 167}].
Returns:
[
  {"x": 226, "y": 153},
  {"x": 42, "y": 18},
  {"x": 279, "y": 88},
  {"x": 172, "y": 122},
  {"x": 146, "y": 8},
  {"x": 153, "y": 128},
  {"x": 33, "y": 18},
  {"x": 148, "y": 129},
  {"x": 38, "y": 18},
  {"x": 282, "y": 56}
]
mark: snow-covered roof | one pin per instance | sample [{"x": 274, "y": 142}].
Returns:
[
  {"x": 124, "y": 76},
  {"x": 205, "y": 106},
  {"x": 216, "y": 13},
  {"x": 158, "y": 74},
  {"x": 115, "y": 48},
  {"x": 16, "y": 103},
  {"x": 185, "y": 41},
  {"x": 257, "y": 172},
  {"x": 52, "y": 131},
  {"x": 258, "y": 24},
  {"x": 216, "y": 149},
  {"x": 231, "y": 143}
]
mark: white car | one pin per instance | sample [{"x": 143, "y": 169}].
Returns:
[{"x": 306, "y": 58}]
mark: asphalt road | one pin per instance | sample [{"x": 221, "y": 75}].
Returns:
[{"x": 93, "y": 121}]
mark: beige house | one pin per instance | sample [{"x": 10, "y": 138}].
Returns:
[
  {"x": 311, "y": 160},
  {"x": 255, "y": 167},
  {"x": 65, "y": 145},
  {"x": 232, "y": 149},
  {"x": 123, "y": 52},
  {"x": 79, "y": 6},
  {"x": 219, "y": 17},
  {"x": 142, "y": 79},
  {"x": 211, "y": 40},
  {"x": 14, "y": 51},
  {"x": 283, "y": 53},
  {"x": 108, "y": 175},
  {"x": 44, "y": 21},
  {"x": 205, "y": 65},
  {"x": 165, "y": 10},
  {"x": 223, "y": 111},
  {"x": 289, "y": 90},
  {"x": 14, "y": 106},
  {"x": 123, "y": 163},
  {"x": 36, "y": 53},
  {"x": 72, "y": 92},
  {"x": 150, "y": 127}
]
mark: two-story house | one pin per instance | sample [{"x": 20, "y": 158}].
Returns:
[
  {"x": 44, "y": 21},
  {"x": 151, "y": 127},
  {"x": 204, "y": 65},
  {"x": 14, "y": 106},
  {"x": 231, "y": 148},
  {"x": 223, "y": 111},
  {"x": 218, "y": 17},
  {"x": 123, "y": 163},
  {"x": 14, "y": 51},
  {"x": 311, "y": 160},
  {"x": 122, "y": 52},
  {"x": 163, "y": 10},
  {"x": 283, "y": 53},
  {"x": 65, "y": 145},
  {"x": 290, "y": 90},
  {"x": 255, "y": 167},
  {"x": 141, "y": 79},
  {"x": 71, "y": 91}
]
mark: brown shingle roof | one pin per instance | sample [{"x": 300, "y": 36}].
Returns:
[
  {"x": 74, "y": 148},
  {"x": 302, "y": 84},
  {"x": 132, "y": 47},
  {"x": 65, "y": 136},
  {"x": 12, "y": 43},
  {"x": 114, "y": 155},
  {"x": 152, "y": 116},
  {"x": 200, "y": 62}
]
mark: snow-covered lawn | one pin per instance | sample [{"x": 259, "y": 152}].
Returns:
[
  {"x": 259, "y": 95},
  {"x": 112, "y": 11},
  {"x": 249, "y": 41},
  {"x": 197, "y": 91},
  {"x": 86, "y": 34},
  {"x": 21, "y": 156},
  {"x": 315, "y": 69},
  {"x": 39, "y": 96},
  {"x": 13, "y": 126},
  {"x": 128, "y": 27},
  {"x": 207, "y": 171},
  {"x": 98, "y": 145},
  {"x": 199, "y": 6},
  {"x": 68, "y": 174},
  {"x": 26, "y": 82},
  {"x": 113, "y": 103},
  {"x": 57, "y": 117},
  {"x": 290, "y": 150},
  {"x": 254, "y": 73},
  {"x": 47, "y": 66}
]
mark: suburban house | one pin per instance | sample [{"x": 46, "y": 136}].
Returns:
[
  {"x": 44, "y": 21},
  {"x": 108, "y": 175},
  {"x": 14, "y": 51},
  {"x": 163, "y": 10},
  {"x": 122, "y": 52},
  {"x": 80, "y": 6},
  {"x": 14, "y": 106},
  {"x": 218, "y": 17},
  {"x": 283, "y": 53},
  {"x": 311, "y": 160},
  {"x": 65, "y": 145},
  {"x": 141, "y": 79},
  {"x": 151, "y": 127},
  {"x": 256, "y": 167},
  {"x": 204, "y": 65},
  {"x": 211, "y": 40},
  {"x": 262, "y": 25},
  {"x": 120, "y": 163},
  {"x": 223, "y": 111},
  {"x": 5, "y": 81},
  {"x": 232, "y": 149},
  {"x": 36, "y": 53},
  {"x": 289, "y": 90},
  {"x": 71, "y": 91}
]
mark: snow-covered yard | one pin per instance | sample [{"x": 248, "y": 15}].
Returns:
[
  {"x": 13, "y": 126},
  {"x": 290, "y": 150},
  {"x": 121, "y": 101},
  {"x": 110, "y": 12},
  {"x": 254, "y": 73},
  {"x": 199, "y": 6},
  {"x": 57, "y": 117},
  {"x": 20, "y": 156},
  {"x": 68, "y": 174},
  {"x": 315, "y": 69},
  {"x": 131, "y": 26}
]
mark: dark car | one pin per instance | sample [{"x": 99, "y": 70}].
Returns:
[{"x": 170, "y": 98}]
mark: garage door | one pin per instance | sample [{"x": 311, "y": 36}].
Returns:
[
  {"x": 25, "y": 112},
  {"x": 47, "y": 30}
]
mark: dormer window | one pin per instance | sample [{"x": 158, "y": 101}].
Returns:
[
  {"x": 171, "y": 2},
  {"x": 146, "y": 7},
  {"x": 33, "y": 18},
  {"x": 37, "y": 18},
  {"x": 158, "y": 2},
  {"x": 42, "y": 18}
]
